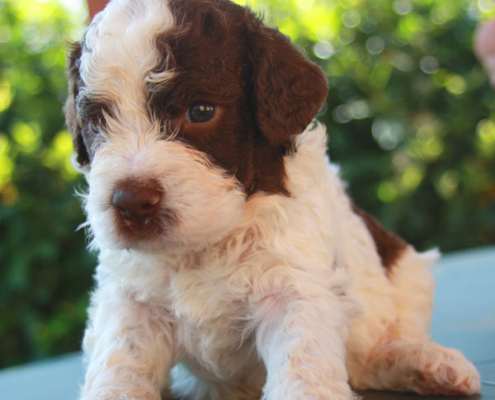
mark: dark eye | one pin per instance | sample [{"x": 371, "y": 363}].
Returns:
[{"x": 200, "y": 112}]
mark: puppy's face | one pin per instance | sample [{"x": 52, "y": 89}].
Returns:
[{"x": 180, "y": 111}]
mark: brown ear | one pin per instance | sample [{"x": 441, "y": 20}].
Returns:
[
  {"x": 288, "y": 89},
  {"x": 70, "y": 104}
]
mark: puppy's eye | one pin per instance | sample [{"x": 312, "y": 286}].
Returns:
[{"x": 200, "y": 112}]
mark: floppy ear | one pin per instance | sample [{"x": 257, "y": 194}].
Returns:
[
  {"x": 70, "y": 105},
  {"x": 288, "y": 89}
]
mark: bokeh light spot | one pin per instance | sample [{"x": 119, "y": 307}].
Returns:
[
  {"x": 448, "y": 184},
  {"x": 486, "y": 137},
  {"x": 402, "y": 61},
  {"x": 387, "y": 192},
  {"x": 6, "y": 163},
  {"x": 305, "y": 3},
  {"x": 486, "y": 6},
  {"x": 342, "y": 114},
  {"x": 351, "y": 18},
  {"x": 402, "y": 7},
  {"x": 387, "y": 133},
  {"x": 27, "y": 136},
  {"x": 58, "y": 155},
  {"x": 5, "y": 95},
  {"x": 323, "y": 50},
  {"x": 412, "y": 177},
  {"x": 375, "y": 45},
  {"x": 428, "y": 64},
  {"x": 455, "y": 84}
]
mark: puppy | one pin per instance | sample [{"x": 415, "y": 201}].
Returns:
[{"x": 232, "y": 264}]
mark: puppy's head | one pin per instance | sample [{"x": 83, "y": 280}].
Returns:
[{"x": 180, "y": 110}]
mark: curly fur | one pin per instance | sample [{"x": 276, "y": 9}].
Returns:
[{"x": 272, "y": 289}]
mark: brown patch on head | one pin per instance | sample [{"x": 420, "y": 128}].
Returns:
[
  {"x": 265, "y": 90},
  {"x": 70, "y": 104},
  {"x": 388, "y": 245},
  {"x": 84, "y": 114}
]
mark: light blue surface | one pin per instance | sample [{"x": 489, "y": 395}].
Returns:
[
  {"x": 56, "y": 379},
  {"x": 464, "y": 313},
  {"x": 464, "y": 317}
]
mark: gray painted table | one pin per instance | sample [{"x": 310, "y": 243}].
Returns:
[{"x": 464, "y": 317}]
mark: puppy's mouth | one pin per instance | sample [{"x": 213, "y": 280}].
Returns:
[{"x": 140, "y": 213}]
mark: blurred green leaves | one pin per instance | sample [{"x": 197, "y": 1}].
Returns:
[
  {"x": 45, "y": 270},
  {"x": 410, "y": 116}
]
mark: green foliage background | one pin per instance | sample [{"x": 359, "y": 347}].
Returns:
[{"x": 410, "y": 116}]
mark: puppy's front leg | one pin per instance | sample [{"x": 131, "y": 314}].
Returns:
[
  {"x": 129, "y": 347},
  {"x": 301, "y": 339}
]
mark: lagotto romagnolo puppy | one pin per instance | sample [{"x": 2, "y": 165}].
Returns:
[{"x": 232, "y": 264}]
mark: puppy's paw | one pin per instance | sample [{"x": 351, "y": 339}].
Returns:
[{"x": 446, "y": 372}]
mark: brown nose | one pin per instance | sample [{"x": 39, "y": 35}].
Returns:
[{"x": 136, "y": 201}]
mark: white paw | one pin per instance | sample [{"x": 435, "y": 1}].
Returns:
[{"x": 445, "y": 372}]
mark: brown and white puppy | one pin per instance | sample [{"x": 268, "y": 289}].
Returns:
[{"x": 230, "y": 256}]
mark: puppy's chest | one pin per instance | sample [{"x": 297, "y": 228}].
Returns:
[
  {"x": 202, "y": 299},
  {"x": 212, "y": 311}
]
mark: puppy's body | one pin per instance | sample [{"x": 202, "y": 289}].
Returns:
[{"x": 246, "y": 270}]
